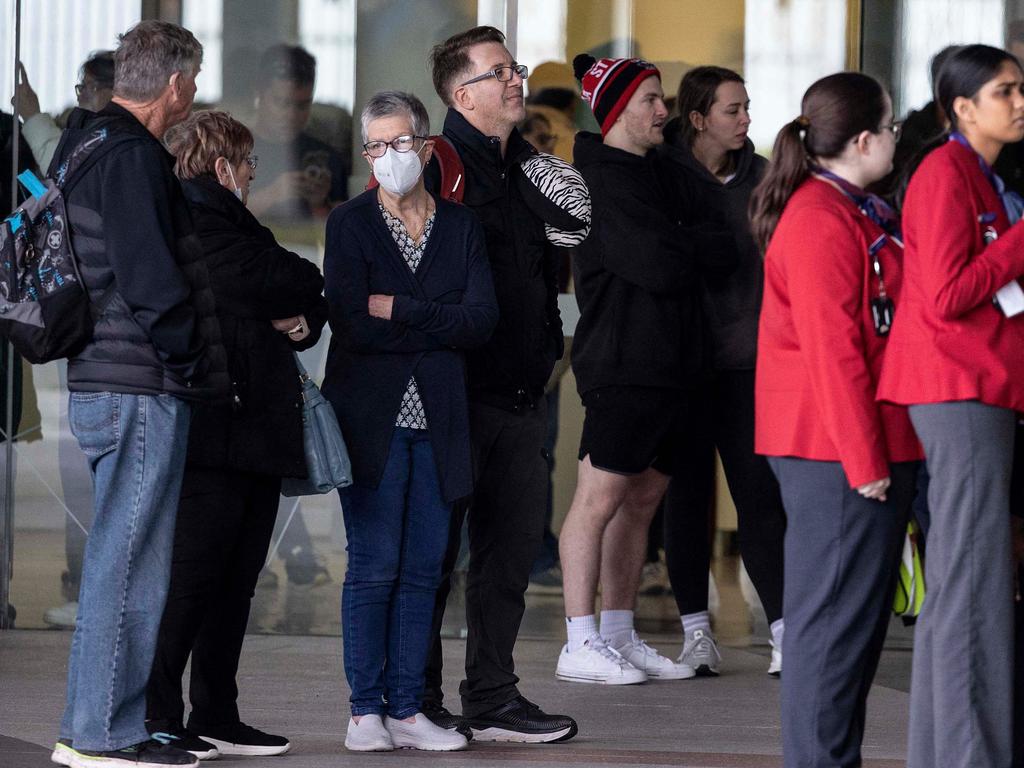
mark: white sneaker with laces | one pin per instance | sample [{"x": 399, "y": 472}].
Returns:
[
  {"x": 368, "y": 735},
  {"x": 648, "y": 660},
  {"x": 775, "y": 666},
  {"x": 597, "y": 662},
  {"x": 701, "y": 653},
  {"x": 423, "y": 734}
]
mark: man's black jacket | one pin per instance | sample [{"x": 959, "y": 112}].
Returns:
[
  {"x": 510, "y": 371},
  {"x": 254, "y": 280},
  {"x": 636, "y": 275},
  {"x": 131, "y": 229}
]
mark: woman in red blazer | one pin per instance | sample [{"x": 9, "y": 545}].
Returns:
[
  {"x": 957, "y": 359},
  {"x": 845, "y": 464}
]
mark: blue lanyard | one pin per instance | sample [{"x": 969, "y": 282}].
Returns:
[
  {"x": 1013, "y": 203},
  {"x": 872, "y": 206}
]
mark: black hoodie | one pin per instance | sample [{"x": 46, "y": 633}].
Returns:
[
  {"x": 731, "y": 300},
  {"x": 635, "y": 276}
]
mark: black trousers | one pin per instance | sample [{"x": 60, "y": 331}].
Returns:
[
  {"x": 506, "y": 523},
  {"x": 723, "y": 418},
  {"x": 225, "y": 519}
]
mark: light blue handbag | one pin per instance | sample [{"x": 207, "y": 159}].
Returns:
[{"x": 327, "y": 461}]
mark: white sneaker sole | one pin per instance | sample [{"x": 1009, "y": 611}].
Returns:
[
  {"x": 518, "y": 737},
  {"x": 376, "y": 746},
  {"x": 596, "y": 679},
  {"x": 251, "y": 750},
  {"x": 210, "y": 754},
  {"x": 673, "y": 674},
  {"x": 78, "y": 760},
  {"x": 430, "y": 747},
  {"x": 62, "y": 755}
]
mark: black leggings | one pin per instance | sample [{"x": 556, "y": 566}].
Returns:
[{"x": 723, "y": 417}]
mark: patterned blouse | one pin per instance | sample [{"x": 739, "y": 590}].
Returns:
[{"x": 410, "y": 413}]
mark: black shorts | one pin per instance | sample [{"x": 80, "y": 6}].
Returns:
[{"x": 628, "y": 429}]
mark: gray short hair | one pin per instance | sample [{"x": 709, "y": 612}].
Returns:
[
  {"x": 148, "y": 54},
  {"x": 387, "y": 103}
]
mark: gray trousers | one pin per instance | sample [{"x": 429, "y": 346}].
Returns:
[
  {"x": 841, "y": 557},
  {"x": 961, "y": 697}
]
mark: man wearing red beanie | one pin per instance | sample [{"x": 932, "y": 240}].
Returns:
[{"x": 634, "y": 355}]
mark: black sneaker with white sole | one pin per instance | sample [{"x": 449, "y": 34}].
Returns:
[
  {"x": 439, "y": 715},
  {"x": 177, "y": 735},
  {"x": 146, "y": 754},
  {"x": 242, "y": 739},
  {"x": 520, "y": 720}
]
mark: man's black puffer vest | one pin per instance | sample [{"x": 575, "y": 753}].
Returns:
[{"x": 131, "y": 229}]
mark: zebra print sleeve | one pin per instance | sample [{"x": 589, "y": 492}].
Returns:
[{"x": 565, "y": 199}]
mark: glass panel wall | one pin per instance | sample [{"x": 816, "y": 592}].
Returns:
[{"x": 360, "y": 47}]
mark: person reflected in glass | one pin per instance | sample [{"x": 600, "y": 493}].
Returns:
[
  {"x": 301, "y": 176},
  {"x": 269, "y": 305},
  {"x": 410, "y": 290}
]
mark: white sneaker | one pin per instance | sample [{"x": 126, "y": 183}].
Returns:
[
  {"x": 648, "y": 660},
  {"x": 596, "y": 662},
  {"x": 368, "y": 735},
  {"x": 423, "y": 734},
  {"x": 700, "y": 653},
  {"x": 63, "y": 616},
  {"x": 62, "y": 752},
  {"x": 775, "y": 666}
]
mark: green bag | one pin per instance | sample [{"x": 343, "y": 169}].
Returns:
[{"x": 910, "y": 587}]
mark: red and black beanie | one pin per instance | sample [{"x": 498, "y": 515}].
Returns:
[{"x": 608, "y": 84}]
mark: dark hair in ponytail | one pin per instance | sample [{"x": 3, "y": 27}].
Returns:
[{"x": 834, "y": 110}]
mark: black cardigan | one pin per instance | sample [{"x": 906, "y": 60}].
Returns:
[
  {"x": 446, "y": 307},
  {"x": 254, "y": 280}
]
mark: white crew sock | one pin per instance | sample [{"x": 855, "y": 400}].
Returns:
[
  {"x": 694, "y": 621},
  {"x": 616, "y": 626},
  {"x": 778, "y": 628},
  {"x": 580, "y": 629}
]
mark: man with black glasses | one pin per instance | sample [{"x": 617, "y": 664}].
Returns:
[{"x": 476, "y": 76}]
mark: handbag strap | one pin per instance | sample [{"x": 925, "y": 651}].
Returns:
[{"x": 303, "y": 373}]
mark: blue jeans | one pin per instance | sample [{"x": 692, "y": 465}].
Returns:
[
  {"x": 135, "y": 445},
  {"x": 397, "y": 535}
]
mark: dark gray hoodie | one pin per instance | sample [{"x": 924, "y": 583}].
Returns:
[{"x": 731, "y": 301}]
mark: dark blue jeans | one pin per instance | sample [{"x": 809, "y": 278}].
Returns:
[{"x": 397, "y": 534}]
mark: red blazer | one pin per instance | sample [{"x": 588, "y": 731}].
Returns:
[
  {"x": 948, "y": 341},
  {"x": 818, "y": 356}
]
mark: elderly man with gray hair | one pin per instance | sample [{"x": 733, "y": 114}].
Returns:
[{"x": 155, "y": 350}]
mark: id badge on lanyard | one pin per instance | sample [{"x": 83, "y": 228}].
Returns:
[{"x": 882, "y": 306}]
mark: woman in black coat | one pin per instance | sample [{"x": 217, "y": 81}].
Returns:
[
  {"x": 269, "y": 304},
  {"x": 410, "y": 289}
]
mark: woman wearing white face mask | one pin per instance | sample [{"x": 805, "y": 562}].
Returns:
[
  {"x": 269, "y": 304},
  {"x": 409, "y": 288}
]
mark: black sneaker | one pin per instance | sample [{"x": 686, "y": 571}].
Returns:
[
  {"x": 442, "y": 718},
  {"x": 242, "y": 739},
  {"x": 146, "y": 754},
  {"x": 521, "y": 720},
  {"x": 176, "y": 735}
]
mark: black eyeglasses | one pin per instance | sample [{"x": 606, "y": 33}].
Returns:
[
  {"x": 896, "y": 126},
  {"x": 501, "y": 74},
  {"x": 81, "y": 88},
  {"x": 252, "y": 161},
  {"x": 404, "y": 143}
]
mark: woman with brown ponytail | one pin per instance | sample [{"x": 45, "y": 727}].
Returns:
[{"x": 845, "y": 464}]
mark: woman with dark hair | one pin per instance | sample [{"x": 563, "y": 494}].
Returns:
[
  {"x": 269, "y": 304},
  {"x": 716, "y": 168},
  {"x": 845, "y": 464},
  {"x": 956, "y": 358}
]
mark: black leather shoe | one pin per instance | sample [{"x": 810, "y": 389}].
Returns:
[
  {"x": 442, "y": 718},
  {"x": 521, "y": 720}
]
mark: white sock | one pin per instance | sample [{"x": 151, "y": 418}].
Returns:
[
  {"x": 579, "y": 629},
  {"x": 778, "y": 628},
  {"x": 694, "y": 621},
  {"x": 616, "y": 626}
]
